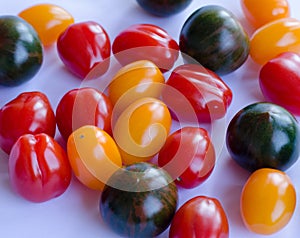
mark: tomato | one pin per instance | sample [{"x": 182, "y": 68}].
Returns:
[
  {"x": 146, "y": 42},
  {"x": 48, "y": 20},
  {"x": 189, "y": 156},
  {"x": 268, "y": 201},
  {"x": 28, "y": 113},
  {"x": 259, "y": 13},
  {"x": 94, "y": 44},
  {"x": 142, "y": 129},
  {"x": 39, "y": 169},
  {"x": 200, "y": 217},
  {"x": 83, "y": 106},
  {"x": 201, "y": 89},
  {"x": 20, "y": 49},
  {"x": 164, "y": 8},
  {"x": 285, "y": 37},
  {"x": 279, "y": 81},
  {"x": 93, "y": 155}
]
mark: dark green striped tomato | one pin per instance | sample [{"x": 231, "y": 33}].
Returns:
[
  {"x": 21, "y": 52},
  {"x": 214, "y": 37},
  {"x": 139, "y": 200},
  {"x": 263, "y": 135}
]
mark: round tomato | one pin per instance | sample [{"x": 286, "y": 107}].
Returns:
[
  {"x": 28, "y": 113},
  {"x": 189, "y": 156},
  {"x": 200, "y": 217},
  {"x": 39, "y": 169},
  {"x": 268, "y": 201},
  {"x": 83, "y": 106}
]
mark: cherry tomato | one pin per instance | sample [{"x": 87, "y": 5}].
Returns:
[
  {"x": 189, "y": 156},
  {"x": 268, "y": 201},
  {"x": 93, "y": 155},
  {"x": 48, "y": 20},
  {"x": 83, "y": 46},
  {"x": 142, "y": 129},
  {"x": 29, "y": 112},
  {"x": 83, "y": 106},
  {"x": 200, "y": 217},
  {"x": 259, "y": 13},
  {"x": 285, "y": 37},
  {"x": 39, "y": 169},
  {"x": 201, "y": 89},
  {"x": 146, "y": 42}
]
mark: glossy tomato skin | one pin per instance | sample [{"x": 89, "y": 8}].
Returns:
[
  {"x": 164, "y": 8},
  {"x": 207, "y": 94},
  {"x": 279, "y": 81},
  {"x": 29, "y": 112},
  {"x": 200, "y": 217},
  {"x": 268, "y": 201},
  {"x": 39, "y": 169},
  {"x": 83, "y": 106},
  {"x": 94, "y": 44},
  {"x": 48, "y": 20},
  {"x": 146, "y": 42},
  {"x": 189, "y": 156}
]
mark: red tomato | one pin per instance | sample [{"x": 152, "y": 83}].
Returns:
[
  {"x": 83, "y": 46},
  {"x": 201, "y": 89},
  {"x": 188, "y": 155},
  {"x": 146, "y": 42},
  {"x": 279, "y": 81},
  {"x": 39, "y": 169},
  {"x": 83, "y": 106},
  {"x": 29, "y": 112},
  {"x": 200, "y": 217}
]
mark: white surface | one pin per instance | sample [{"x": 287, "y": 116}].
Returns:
[{"x": 75, "y": 214}]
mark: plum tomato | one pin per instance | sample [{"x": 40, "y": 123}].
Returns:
[
  {"x": 48, "y": 20},
  {"x": 94, "y": 44},
  {"x": 93, "y": 155},
  {"x": 205, "y": 91},
  {"x": 189, "y": 156},
  {"x": 164, "y": 8},
  {"x": 200, "y": 217},
  {"x": 146, "y": 42},
  {"x": 20, "y": 49},
  {"x": 83, "y": 106},
  {"x": 39, "y": 169},
  {"x": 268, "y": 201},
  {"x": 142, "y": 129},
  {"x": 279, "y": 79},
  {"x": 28, "y": 113},
  {"x": 263, "y": 135},
  {"x": 259, "y": 13},
  {"x": 140, "y": 200}
]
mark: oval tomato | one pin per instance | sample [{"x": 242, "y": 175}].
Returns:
[
  {"x": 188, "y": 155},
  {"x": 200, "y": 217},
  {"x": 28, "y": 113},
  {"x": 39, "y": 169}
]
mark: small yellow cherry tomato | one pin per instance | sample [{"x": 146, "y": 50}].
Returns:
[
  {"x": 142, "y": 129},
  {"x": 93, "y": 156},
  {"x": 48, "y": 20},
  {"x": 268, "y": 201}
]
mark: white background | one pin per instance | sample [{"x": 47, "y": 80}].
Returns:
[{"x": 75, "y": 214}]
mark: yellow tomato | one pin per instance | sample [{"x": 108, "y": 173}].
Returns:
[
  {"x": 48, "y": 20},
  {"x": 93, "y": 155}
]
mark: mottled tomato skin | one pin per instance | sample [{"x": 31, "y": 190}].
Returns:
[
  {"x": 39, "y": 169},
  {"x": 30, "y": 112}
]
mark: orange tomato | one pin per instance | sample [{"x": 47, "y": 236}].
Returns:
[
  {"x": 93, "y": 156},
  {"x": 48, "y": 20},
  {"x": 260, "y": 12},
  {"x": 268, "y": 201},
  {"x": 274, "y": 38}
]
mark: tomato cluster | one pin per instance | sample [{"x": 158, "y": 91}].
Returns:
[{"x": 119, "y": 139}]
